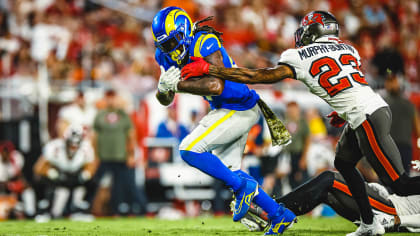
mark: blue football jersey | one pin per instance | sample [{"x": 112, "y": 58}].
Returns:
[{"x": 235, "y": 96}]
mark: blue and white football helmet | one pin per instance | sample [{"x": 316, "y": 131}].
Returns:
[{"x": 172, "y": 33}]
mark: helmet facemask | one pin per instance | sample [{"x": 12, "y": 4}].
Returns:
[
  {"x": 172, "y": 33},
  {"x": 173, "y": 46},
  {"x": 307, "y": 34},
  {"x": 298, "y": 37},
  {"x": 73, "y": 139}
]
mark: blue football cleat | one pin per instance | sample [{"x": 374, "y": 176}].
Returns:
[
  {"x": 243, "y": 198},
  {"x": 282, "y": 220}
]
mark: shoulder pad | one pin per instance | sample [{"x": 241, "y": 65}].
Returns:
[{"x": 205, "y": 45}]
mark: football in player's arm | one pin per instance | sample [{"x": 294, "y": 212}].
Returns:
[{"x": 210, "y": 86}]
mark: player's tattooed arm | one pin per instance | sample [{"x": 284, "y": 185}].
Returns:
[
  {"x": 252, "y": 76},
  {"x": 207, "y": 85}
]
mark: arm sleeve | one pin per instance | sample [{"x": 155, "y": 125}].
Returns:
[{"x": 291, "y": 58}]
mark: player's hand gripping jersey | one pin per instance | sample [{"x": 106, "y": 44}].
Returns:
[
  {"x": 331, "y": 70},
  {"x": 235, "y": 96}
]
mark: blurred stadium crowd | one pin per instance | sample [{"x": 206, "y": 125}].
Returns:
[{"x": 69, "y": 63}]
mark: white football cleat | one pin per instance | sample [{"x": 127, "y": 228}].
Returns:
[
  {"x": 255, "y": 219},
  {"x": 82, "y": 217},
  {"x": 42, "y": 218},
  {"x": 387, "y": 221},
  {"x": 369, "y": 230},
  {"x": 250, "y": 224}
]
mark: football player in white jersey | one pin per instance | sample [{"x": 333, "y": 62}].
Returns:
[
  {"x": 331, "y": 70},
  {"x": 66, "y": 165}
]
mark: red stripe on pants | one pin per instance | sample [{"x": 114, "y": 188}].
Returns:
[
  {"x": 378, "y": 152},
  {"x": 374, "y": 203}
]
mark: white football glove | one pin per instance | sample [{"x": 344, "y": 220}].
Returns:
[
  {"x": 162, "y": 87},
  {"x": 416, "y": 165},
  {"x": 169, "y": 79}
]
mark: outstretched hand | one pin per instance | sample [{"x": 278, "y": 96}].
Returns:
[
  {"x": 336, "y": 120},
  {"x": 196, "y": 68}
]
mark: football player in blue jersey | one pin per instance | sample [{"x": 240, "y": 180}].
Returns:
[{"x": 216, "y": 145}]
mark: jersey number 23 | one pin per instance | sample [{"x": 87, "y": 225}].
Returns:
[{"x": 333, "y": 70}]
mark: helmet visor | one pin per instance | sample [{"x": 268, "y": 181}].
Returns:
[
  {"x": 168, "y": 45},
  {"x": 171, "y": 43}
]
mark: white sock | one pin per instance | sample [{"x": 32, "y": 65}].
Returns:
[
  {"x": 61, "y": 195},
  {"x": 28, "y": 197},
  {"x": 78, "y": 195}
]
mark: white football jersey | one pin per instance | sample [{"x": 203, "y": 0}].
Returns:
[
  {"x": 55, "y": 153},
  {"x": 409, "y": 205},
  {"x": 331, "y": 70}
]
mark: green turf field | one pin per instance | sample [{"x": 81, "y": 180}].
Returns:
[{"x": 205, "y": 226}]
